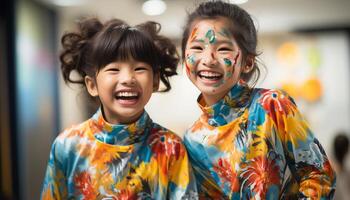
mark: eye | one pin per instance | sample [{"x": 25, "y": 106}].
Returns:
[
  {"x": 223, "y": 49},
  {"x": 113, "y": 70},
  {"x": 141, "y": 68},
  {"x": 197, "y": 48}
]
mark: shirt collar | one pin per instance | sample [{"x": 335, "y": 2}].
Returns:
[
  {"x": 120, "y": 134},
  {"x": 228, "y": 108}
]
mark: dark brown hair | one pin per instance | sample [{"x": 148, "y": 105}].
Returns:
[
  {"x": 242, "y": 29},
  {"x": 95, "y": 45}
]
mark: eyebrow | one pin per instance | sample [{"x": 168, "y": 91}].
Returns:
[
  {"x": 198, "y": 40},
  {"x": 224, "y": 42}
]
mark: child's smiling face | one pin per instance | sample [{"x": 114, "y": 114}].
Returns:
[
  {"x": 124, "y": 88},
  {"x": 213, "y": 58}
]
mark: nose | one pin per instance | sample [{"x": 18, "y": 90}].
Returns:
[
  {"x": 127, "y": 78},
  {"x": 210, "y": 59}
]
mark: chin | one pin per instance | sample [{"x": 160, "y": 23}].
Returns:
[
  {"x": 130, "y": 113},
  {"x": 210, "y": 90},
  {"x": 126, "y": 113}
]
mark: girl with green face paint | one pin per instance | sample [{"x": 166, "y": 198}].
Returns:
[
  {"x": 213, "y": 58},
  {"x": 249, "y": 143}
]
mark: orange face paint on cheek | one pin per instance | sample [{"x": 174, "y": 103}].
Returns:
[{"x": 187, "y": 69}]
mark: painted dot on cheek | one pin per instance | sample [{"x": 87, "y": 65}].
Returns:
[
  {"x": 227, "y": 62},
  {"x": 220, "y": 83},
  {"x": 191, "y": 61}
]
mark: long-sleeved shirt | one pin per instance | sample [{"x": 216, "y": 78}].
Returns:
[
  {"x": 254, "y": 144},
  {"x": 98, "y": 160}
]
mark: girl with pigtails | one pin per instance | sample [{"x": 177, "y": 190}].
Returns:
[{"x": 119, "y": 153}]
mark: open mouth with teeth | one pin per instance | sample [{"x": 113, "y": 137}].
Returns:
[
  {"x": 210, "y": 75},
  {"x": 123, "y": 95}
]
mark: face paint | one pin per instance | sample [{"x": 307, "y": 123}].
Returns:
[
  {"x": 229, "y": 75},
  {"x": 222, "y": 81},
  {"x": 224, "y": 32},
  {"x": 236, "y": 58},
  {"x": 212, "y": 39},
  {"x": 190, "y": 60},
  {"x": 227, "y": 62},
  {"x": 211, "y": 36},
  {"x": 193, "y": 34},
  {"x": 187, "y": 69},
  {"x": 212, "y": 56}
]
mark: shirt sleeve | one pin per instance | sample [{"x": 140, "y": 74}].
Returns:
[
  {"x": 181, "y": 179},
  {"x": 305, "y": 156},
  {"x": 55, "y": 184}
]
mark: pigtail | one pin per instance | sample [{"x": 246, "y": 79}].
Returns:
[
  {"x": 75, "y": 52},
  {"x": 168, "y": 55}
]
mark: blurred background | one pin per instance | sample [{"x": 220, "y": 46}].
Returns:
[{"x": 305, "y": 46}]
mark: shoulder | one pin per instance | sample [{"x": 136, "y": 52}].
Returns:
[
  {"x": 263, "y": 94},
  {"x": 273, "y": 100},
  {"x": 158, "y": 131},
  {"x": 165, "y": 142},
  {"x": 73, "y": 134}
]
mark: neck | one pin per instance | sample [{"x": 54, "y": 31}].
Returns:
[
  {"x": 114, "y": 119},
  {"x": 213, "y": 99}
]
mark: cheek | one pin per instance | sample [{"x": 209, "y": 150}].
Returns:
[
  {"x": 147, "y": 84},
  {"x": 236, "y": 58},
  {"x": 230, "y": 61},
  {"x": 105, "y": 81},
  {"x": 149, "y": 80},
  {"x": 190, "y": 63},
  {"x": 227, "y": 62}
]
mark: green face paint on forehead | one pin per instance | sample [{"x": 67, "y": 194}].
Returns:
[
  {"x": 211, "y": 36},
  {"x": 225, "y": 32}
]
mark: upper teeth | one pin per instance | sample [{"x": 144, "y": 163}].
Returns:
[
  {"x": 127, "y": 94},
  {"x": 209, "y": 74}
]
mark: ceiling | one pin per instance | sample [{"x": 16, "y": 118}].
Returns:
[{"x": 269, "y": 15}]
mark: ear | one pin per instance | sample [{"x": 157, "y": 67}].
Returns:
[
  {"x": 91, "y": 86},
  {"x": 156, "y": 80},
  {"x": 249, "y": 65}
]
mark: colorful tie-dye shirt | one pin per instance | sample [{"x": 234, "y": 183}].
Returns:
[
  {"x": 254, "y": 144},
  {"x": 98, "y": 160}
]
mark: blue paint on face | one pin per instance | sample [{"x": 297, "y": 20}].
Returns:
[
  {"x": 227, "y": 62},
  {"x": 211, "y": 36}
]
